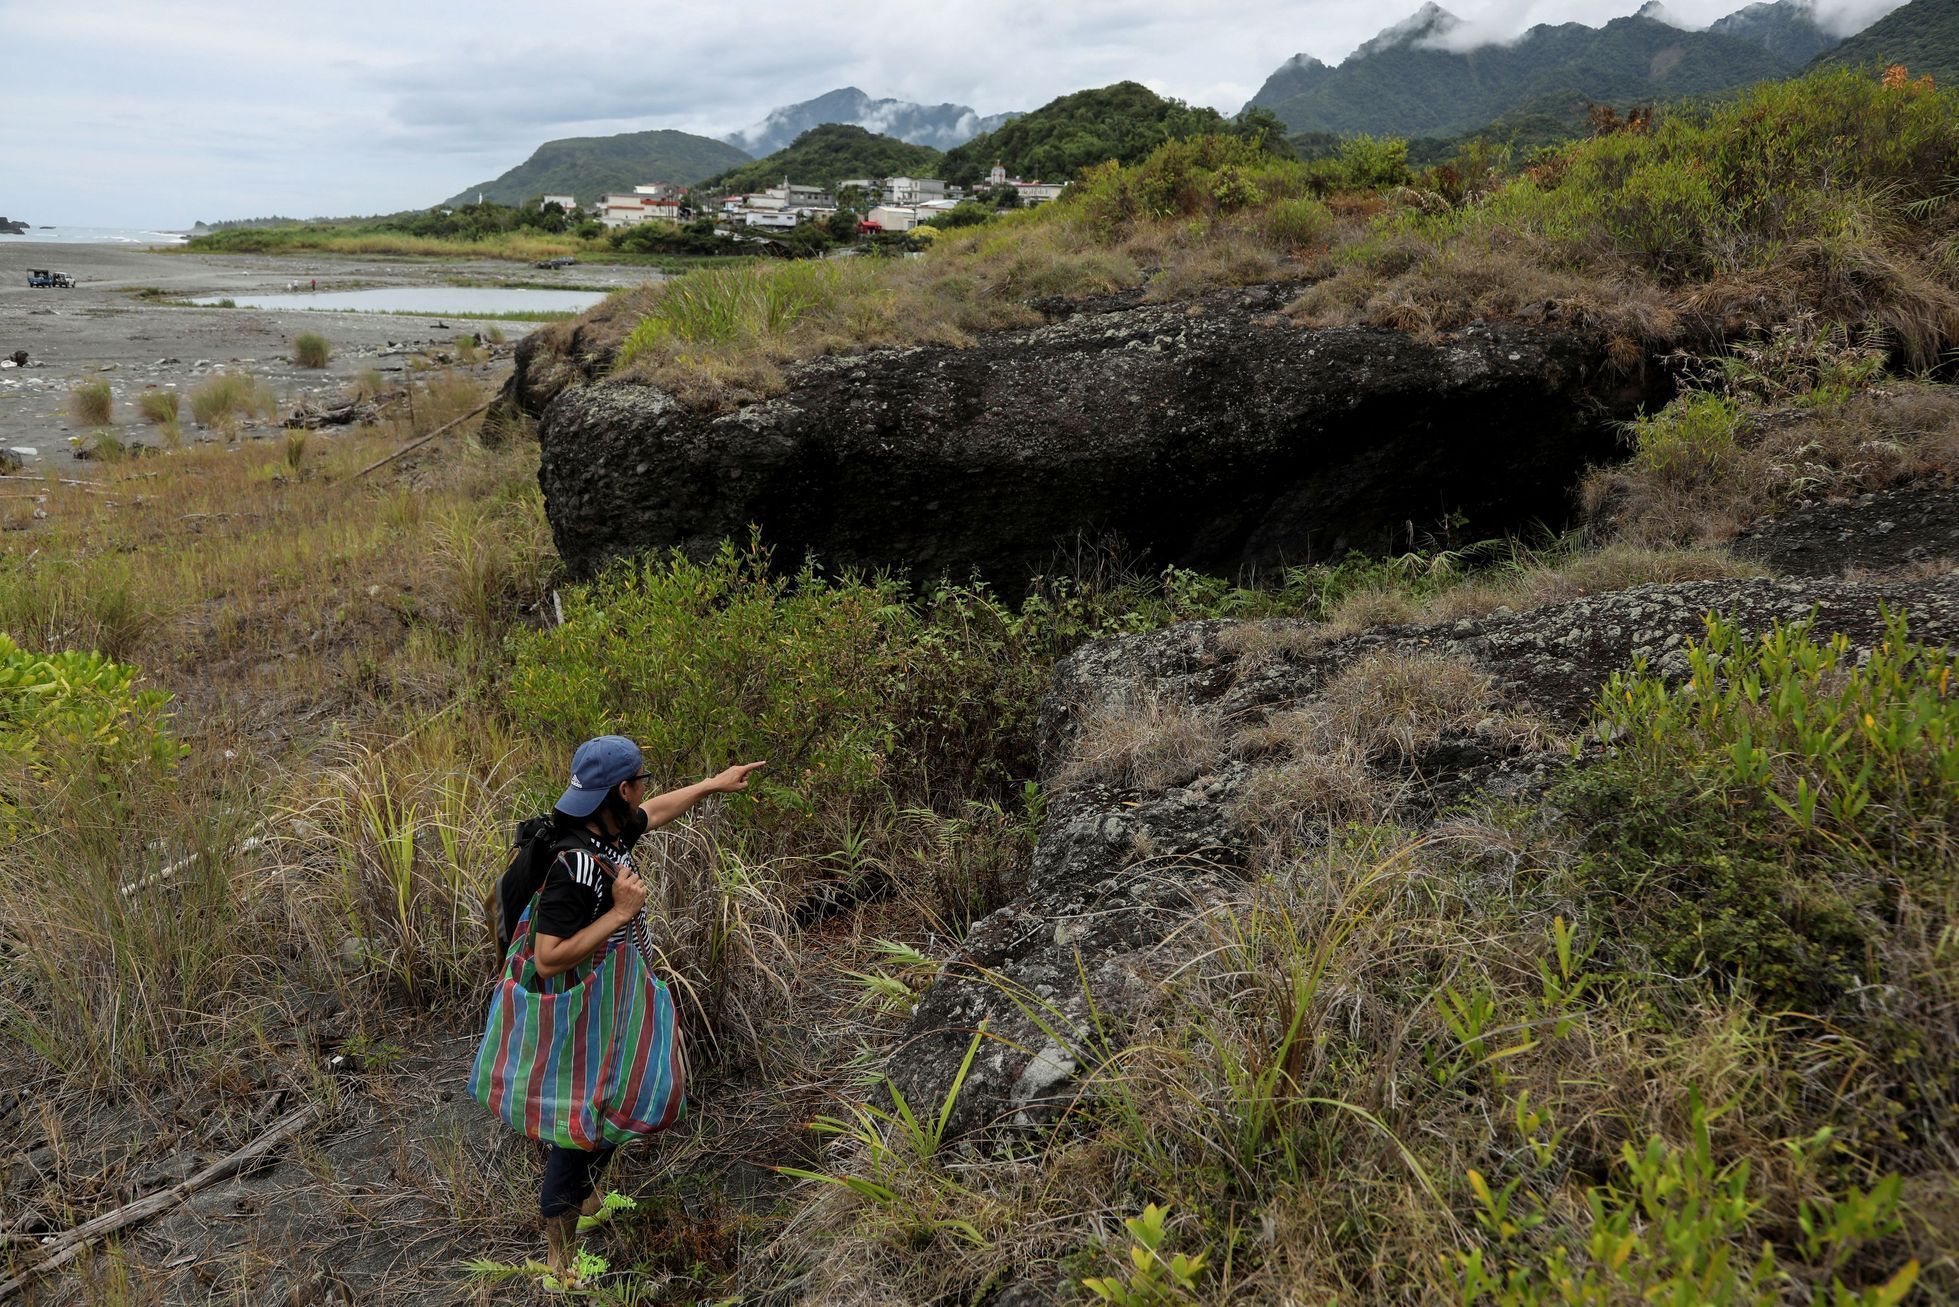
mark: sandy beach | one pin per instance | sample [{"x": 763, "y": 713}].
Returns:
[{"x": 101, "y": 328}]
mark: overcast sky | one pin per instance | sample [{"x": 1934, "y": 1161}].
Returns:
[{"x": 163, "y": 112}]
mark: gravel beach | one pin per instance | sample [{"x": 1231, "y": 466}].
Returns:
[{"x": 101, "y": 328}]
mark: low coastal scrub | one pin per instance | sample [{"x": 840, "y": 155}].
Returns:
[
  {"x": 1570, "y": 1053},
  {"x": 1804, "y": 412},
  {"x": 90, "y": 403},
  {"x": 1824, "y": 195}
]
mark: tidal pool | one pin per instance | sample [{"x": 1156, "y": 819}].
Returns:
[{"x": 419, "y": 300}]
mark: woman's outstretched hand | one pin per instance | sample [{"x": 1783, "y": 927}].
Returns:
[{"x": 735, "y": 778}]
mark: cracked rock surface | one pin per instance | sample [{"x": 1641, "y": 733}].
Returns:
[{"x": 1060, "y": 975}]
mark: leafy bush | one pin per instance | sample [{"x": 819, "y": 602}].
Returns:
[
  {"x": 1689, "y": 441},
  {"x": 73, "y": 718},
  {"x": 703, "y": 664},
  {"x": 1201, "y": 176},
  {"x": 1669, "y": 1231},
  {"x": 1368, "y": 162},
  {"x": 1299, "y": 224},
  {"x": 1771, "y": 816}
]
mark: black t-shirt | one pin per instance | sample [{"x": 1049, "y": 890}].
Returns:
[{"x": 577, "y": 890}]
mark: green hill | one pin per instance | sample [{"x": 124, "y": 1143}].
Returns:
[
  {"x": 1402, "y": 82},
  {"x": 823, "y": 156},
  {"x": 589, "y": 166},
  {"x": 1123, "y": 122},
  {"x": 1923, "y": 36}
]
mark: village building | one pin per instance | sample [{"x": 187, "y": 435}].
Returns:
[
  {"x": 638, "y": 207},
  {"x": 892, "y": 217},
  {"x": 569, "y": 203},
  {"x": 1030, "y": 192},
  {"x": 802, "y": 197},
  {"x": 913, "y": 190}
]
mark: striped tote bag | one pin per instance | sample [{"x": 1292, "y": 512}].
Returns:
[{"x": 587, "y": 1059}]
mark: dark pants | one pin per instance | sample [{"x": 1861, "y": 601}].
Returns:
[{"x": 570, "y": 1175}]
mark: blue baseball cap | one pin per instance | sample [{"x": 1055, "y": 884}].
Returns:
[{"x": 598, "y": 765}]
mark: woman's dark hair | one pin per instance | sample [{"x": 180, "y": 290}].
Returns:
[{"x": 621, "y": 809}]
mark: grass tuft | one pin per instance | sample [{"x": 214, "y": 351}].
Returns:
[
  {"x": 227, "y": 398},
  {"x": 90, "y": 403},
  {"x": 311, "y": 350},
  {"x": 158, "y": 406}
]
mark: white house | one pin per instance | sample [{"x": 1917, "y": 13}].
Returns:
[
  {"x": 893, "y": 217},
  {"x": 1030, "y": 192},
  {"x": 569, "y": 203},
  {"x": 771, "y": 218},
  {"x": 796, "y": 196},
  {"x": 911, "y": 190},
  {"x": 629, "y": 210},
  {"x": 661, "y": 190}
]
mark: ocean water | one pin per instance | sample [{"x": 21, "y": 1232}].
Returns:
[{"x": 97, "y": 236}]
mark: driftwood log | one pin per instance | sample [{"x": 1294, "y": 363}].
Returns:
[
  {"x": 419, "y": 441},
  {"x": 312, "y": 417},
  {"x": 58, "y": 1250}
]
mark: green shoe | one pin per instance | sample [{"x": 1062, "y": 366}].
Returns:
[{"x": 609, "y": 1206}]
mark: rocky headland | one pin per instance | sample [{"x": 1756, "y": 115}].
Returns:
[{"x": 1212, "y": 435}]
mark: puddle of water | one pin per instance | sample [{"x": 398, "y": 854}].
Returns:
[{"x": 421, "y": 300}]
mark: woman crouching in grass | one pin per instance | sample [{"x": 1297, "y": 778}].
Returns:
[{"x": 590, "y": 897}]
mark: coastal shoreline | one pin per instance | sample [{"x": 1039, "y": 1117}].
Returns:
[{"x": 101, "y": 328}]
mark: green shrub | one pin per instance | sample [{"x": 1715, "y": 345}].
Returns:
[
  {"x": 1670, "y": 1229},
  {"x": 90, "y": 403},
  {"x": 311, "y": 350},
  {"x": 1689, "y": 440},
  {"x": 1767, "y": 817},
  {"x": 840, "y": 684},
  {"x": 1299, "y": 224},
  {"x": 1371, "y": 162},
  {"x": 73, "y": 718}
]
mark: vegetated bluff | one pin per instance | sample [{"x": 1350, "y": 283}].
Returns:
[{"x": 1212, "y": 435}]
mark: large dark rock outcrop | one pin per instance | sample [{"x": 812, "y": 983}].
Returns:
[
  {"x": 1060, "y": 976},
  {"x": 1213, "y": 435}
]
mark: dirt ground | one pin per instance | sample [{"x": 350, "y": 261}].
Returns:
[{"x": 102, "y": 328}]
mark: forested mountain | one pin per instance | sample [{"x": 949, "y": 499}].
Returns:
[
  {"x": 588, "y": 166},
  {"x": 940, "y": 126},
  {"x": 1124, "y": 122},
  {"x": 825, "y": 155},
  {"x": 1408, "y": 81},
  {"x": 1923, "y": 36},
  {"x": 1787, "y": 29}
]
